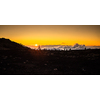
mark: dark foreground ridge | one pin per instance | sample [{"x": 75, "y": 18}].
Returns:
[{"x": 15, "y": 59}]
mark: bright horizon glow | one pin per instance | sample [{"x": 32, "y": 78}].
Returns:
[
  {"x": 88, "y": 35},
  {"x": 36, "y": 45}
]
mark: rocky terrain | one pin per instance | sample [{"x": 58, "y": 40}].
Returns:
[{"x": 16, "y": 59}]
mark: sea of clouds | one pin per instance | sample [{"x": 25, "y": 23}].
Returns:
[{"x": 65, "y": 47}]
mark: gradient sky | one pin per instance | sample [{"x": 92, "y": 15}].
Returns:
[{"x": 52, "y": 34}]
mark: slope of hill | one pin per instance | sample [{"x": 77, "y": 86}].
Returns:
[
  {"x": 16, "y": 59},
  {"x": 6, "y": 44}
]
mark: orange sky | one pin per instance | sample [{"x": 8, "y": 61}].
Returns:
[{"x": 52, "y": 34}]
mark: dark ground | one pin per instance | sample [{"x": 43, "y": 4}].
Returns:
[{"x": 45, "y": 62}]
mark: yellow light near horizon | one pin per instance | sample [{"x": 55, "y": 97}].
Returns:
[
  {"x": 52, "y": 34},
  {"x": 36, "y": 45},
  {"x": 59, "y": 42}
]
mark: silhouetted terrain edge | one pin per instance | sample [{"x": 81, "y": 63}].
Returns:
[
  {"x": 16, "y": 59},
  {"x": 6, "y": 44}
]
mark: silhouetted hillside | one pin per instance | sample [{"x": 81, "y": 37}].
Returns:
[
  {"x": 16, "y": 59},
  {"x": 6, "y": 44}
]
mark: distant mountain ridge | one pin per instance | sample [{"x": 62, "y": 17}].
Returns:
[{"x": 7, "y": 44}]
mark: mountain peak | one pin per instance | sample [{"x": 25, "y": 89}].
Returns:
[{"x": 4, "y": 39}]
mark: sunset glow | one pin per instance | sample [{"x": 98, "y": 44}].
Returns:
[
  {"x": 36, "y": 45},
  {"x": 52, "y": 34}
]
